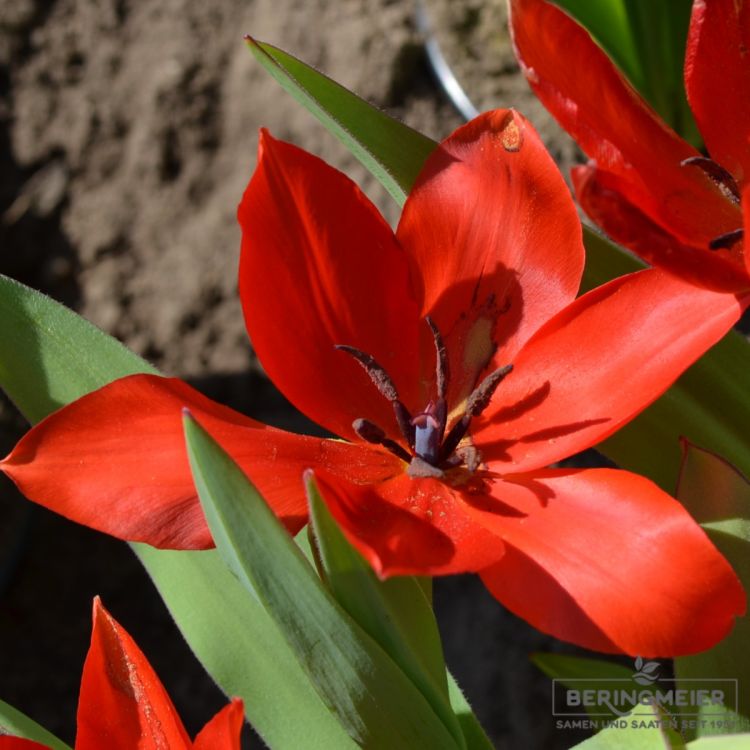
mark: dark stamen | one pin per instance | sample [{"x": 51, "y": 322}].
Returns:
[
  {"x": 441, "y": 366},
  {"x": 385, "y": 386},
  {"x": 482, "y": 394},
  {"x": 476, "y": 404},
  {"x": 403, "y": 418},
  {"x": 719, "y": 176},
  {"x": 432, "y": 452},
  {"x": 377, "y": 373},
  {"x": 725, "y": 241},
  {"x": 371, "y": 433}
]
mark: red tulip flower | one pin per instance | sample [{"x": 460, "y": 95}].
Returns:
[
  {"x": 123, "y": 705},
  {"x": 456, "y": 363},
  {"x": 644, "y": 185}
]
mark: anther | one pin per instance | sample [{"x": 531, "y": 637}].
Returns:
[
  {"x": 482, "y": 394},
  {"x": 371, "y": 433},
  {"x": 382, "y": 381},
  {"x": 377, "y": 373},
  {"x": 441, "y": 366},
  {"x": 725, "y": 241},
  {"x": 719, "y": 176}
]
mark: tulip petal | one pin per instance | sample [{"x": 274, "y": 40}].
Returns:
[
  {"x": 589, "y": 97},
  {"x": 223, "y": 731},
  {"x": 115, "y": 460},
  {"x": 600, "y": 194},
  {"x": 597, "y": 364},
  {"x": 321, "y": 267},
  {"x": 717, "y": 79},
  {"x": 410, "y": 526},
  {"x": 494, "y": 240},
  {"x": 607, "y": 560},
  {"x": 122, "y": 704}
]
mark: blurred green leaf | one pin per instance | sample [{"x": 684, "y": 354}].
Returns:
[
  {"x": 395, "y": 613},
  {"x": 646, "y": 40},
  {"x": 609, "y": 23},
  {"x": 718, "y": 497},
  {"x": 709, "y": 405},
  {"x": 579, "y": 672},
  {"x": 641, "y": 732},
  {"x": 16, "y": 724},
  {"x": 370, "y": 696},
  {"x": 738, "y": 742},
  {"x": 566, "y": 667}
]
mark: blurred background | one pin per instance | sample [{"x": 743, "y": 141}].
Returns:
[{"x": 128, "y": 131}]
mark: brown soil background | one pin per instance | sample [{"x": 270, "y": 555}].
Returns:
[{"x": 128, "y": 131}]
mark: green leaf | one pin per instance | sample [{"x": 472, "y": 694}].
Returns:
[
  {"x": 581, "y": 673},
  {"x": 647, "y": 42},
  {"x": 395, "y": 613},
  {"x": 565, "y": 667},
  {"x": 641, "y": 732},
  {"x": 389, "y": 149},
  {"x": 718, "y": 497},
  {"x": 737, "y": 742},
  {"x": 371, "y": 697},
  {"x": 16, "y": 724},
  {"x": 709, "y": 404},
  {"x": 50, "y": 356},
  {"x": 659, "y": 31},
  {"x": 472, "y": 730},
  {"x": 242, "y": 649},
  {"x": 609, "y": 23}
]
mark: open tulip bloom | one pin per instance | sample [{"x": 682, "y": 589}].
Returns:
[
  {"x": 456, "y": 363},
  {"x": 645, "y": 186},
  {"x": 123, "y": 705}
]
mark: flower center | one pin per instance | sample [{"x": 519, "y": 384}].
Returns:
[{"x": 432, "y": 448}]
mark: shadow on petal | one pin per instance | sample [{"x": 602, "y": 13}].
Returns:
[{"x": 533, "y": 594}]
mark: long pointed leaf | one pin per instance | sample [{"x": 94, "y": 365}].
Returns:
[
  {"x": 16, "y": 724},
  {"x": 242, "y": 649},
  {"x": 387, "y": 148},
  {"x": 395, "y": 613},
  {"x": 360, "y": 684}
]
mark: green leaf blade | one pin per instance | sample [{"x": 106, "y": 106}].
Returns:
[
  {"x": 242, "y": 649},
  {"x": 370, "y": 696},
  {"x": 51, "y": 356},
  {"x": 395, "y": 613},
  {"x": 17, "y": 724},
  {"x": 389, "y": 149}
]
